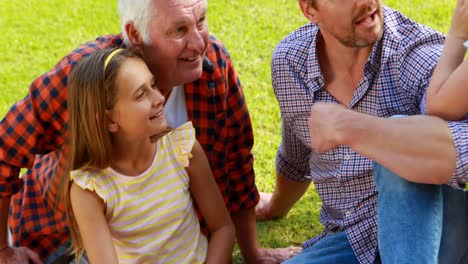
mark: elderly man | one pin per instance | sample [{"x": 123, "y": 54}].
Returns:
[
  {"x": 195, "y": 74},
  {"x": 337, "y": 80}
]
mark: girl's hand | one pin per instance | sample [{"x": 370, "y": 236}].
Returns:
[{"x": 459, "y": 27}]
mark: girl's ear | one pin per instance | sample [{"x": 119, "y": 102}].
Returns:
[
  {"x": 112, "y": 126},
  {"x": 309, "y": 11}
]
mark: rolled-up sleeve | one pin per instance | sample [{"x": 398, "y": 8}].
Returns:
[
  {"x": 10, "y": 183},
  {"x": 240, "y": 140},
  {"x": 292, "y": 157},
  {"x": 460, "y": 139},
  {"x": 34, "y": 125}
]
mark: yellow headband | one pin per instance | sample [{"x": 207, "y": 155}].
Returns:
[{"x": 109, "y": 58}]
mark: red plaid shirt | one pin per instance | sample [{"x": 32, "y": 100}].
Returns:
[{"x": 34, "y": 131}]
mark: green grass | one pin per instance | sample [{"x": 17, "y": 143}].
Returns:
[{"x": 37, "y": 33}]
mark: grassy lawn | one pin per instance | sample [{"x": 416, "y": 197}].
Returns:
[{"x": 37, "y": 33}]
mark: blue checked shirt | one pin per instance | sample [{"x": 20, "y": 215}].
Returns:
[{"x": 395, "y": 79}]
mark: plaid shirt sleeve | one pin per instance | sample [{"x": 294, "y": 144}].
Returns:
[
  {"x": 427, "y": 56},
  {"x": 33, "y": 135},
  {"x": 460, "y": 138},
  {"x": 292, "y": 155},
  {"x": 217, "y": 108},
  {"x": 34, "y": 125},
  {"x": 240, "y": 142},
  {"x": 37, "y": 124}
]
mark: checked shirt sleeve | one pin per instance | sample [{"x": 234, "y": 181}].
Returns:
[
  {"x": 239, "y": 141},
  {"x": 421, "y": 62},
  {"x": 37, "y": 124},
  {"x": 292, "y": 158},
  {"x": 34, "y": 125},
  {"x": 217, "y": 108},
  {"x": 460, "y": 139}
]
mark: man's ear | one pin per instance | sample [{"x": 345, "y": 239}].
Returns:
[
  {"x": 112, "y": 125},
  {"x": 309, "y": 11},
  {"x": 134, "y": 35}
]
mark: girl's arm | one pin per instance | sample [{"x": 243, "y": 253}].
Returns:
[
  {"x": 210, "y": 202},
  {"x": 448, "y": 90},
  {"x": 88, "y": 210}
]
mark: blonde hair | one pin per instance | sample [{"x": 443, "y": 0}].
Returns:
[{"x": 91, "y": 91}]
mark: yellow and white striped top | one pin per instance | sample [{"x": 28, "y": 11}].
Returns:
[{"x": 151, "y": 216}]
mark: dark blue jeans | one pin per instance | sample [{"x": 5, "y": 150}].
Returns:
[
  {"x": 420, "y": 223},
  {"x": 331, "y": 249},
  {"x": 61, "y": 256}
]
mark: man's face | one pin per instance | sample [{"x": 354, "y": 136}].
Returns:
[
  {"x": 354, "y": 23},
  {"x": 178, "y": 41}
]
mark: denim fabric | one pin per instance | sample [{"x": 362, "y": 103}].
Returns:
[
  {"x": 331, "y": 249},
  {"x": 454, "y": 245},
  {"x": 415, "y": 220},
  {"x": 61, "y": 256}
]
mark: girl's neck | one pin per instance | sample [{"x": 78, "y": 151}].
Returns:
[{"x": 133, "y": 158}]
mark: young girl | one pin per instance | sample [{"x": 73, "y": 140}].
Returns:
[
  {"x": 448, "y": 91},
  {"x": 128, "y": 195}
]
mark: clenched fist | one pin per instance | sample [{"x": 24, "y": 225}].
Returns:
[{"x": 325, "y": 122}]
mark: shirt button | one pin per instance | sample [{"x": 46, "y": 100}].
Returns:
[
  {"x": 348, "y": 213},
  {"x": 320, "y": 81},
  {"x": 346, "y": 157}
]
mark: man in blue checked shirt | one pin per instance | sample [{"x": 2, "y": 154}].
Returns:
[{"x": 391, "y": 187}]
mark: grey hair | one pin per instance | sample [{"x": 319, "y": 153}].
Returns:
[{"x": 139, "y": 13}]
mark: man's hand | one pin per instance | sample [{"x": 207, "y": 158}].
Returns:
[
  {"x": 283, "y": 198},
  {"x": 324, "y": 123},
  {"x": 18, "y": 255},
  {"x": 263, "y": 210},
  {"x": 459, "y": 26},
  {"x": 276, "y": 255}
]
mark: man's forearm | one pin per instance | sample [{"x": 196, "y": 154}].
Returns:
[
  {"x": 418, "y": 148},
  {"x": 4, "y": 207},
  {"x": 246, "y": 234},
  {"x": 283, "y": 198},
  {"x": 286, "y": 194}
]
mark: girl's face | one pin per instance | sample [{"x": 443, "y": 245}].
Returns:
[{"x": 138, "y": 112}]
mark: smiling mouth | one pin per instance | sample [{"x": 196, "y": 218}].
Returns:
[
  {"x": 367, "y": 19},
  {"x": 191, "y": 59},
  {"x": 157, "y": 115}
]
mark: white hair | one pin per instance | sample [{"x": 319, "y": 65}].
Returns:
[{"x": 139, "y": 13}]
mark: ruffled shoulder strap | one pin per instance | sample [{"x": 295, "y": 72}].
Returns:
[
  {"x": 183, "y": 139},
  {"x": 87, "y": 181}
]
